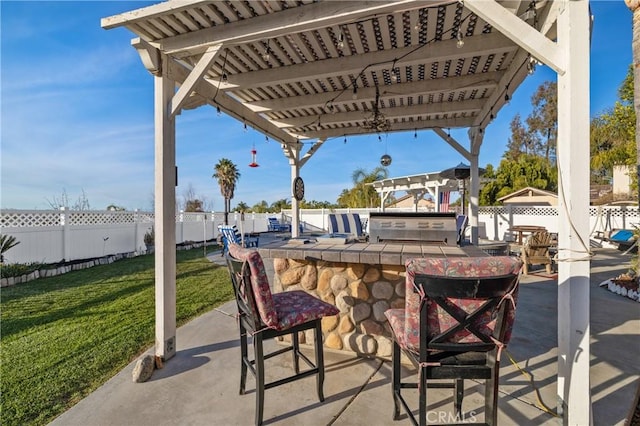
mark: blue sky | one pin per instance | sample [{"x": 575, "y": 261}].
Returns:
[{"x": 77, "y": 114}]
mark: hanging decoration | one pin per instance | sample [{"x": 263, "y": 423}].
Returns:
[
  {"x": 253, "y": 157},
  {"x": 377, "y": 120},
  {"x": 385, "y": 160}
]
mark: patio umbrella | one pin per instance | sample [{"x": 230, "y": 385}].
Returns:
[{"x": 461, "y": 171}]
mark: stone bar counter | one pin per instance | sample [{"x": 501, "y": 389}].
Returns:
[{"x": 363, "y": 280}]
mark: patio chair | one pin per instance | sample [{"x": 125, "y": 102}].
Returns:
[
  {"x": 274, "y": 225},
  {"x": 536, "y": 251},
  {"x": 457, "y": 319},
  {"x": 231, "y": 234},
  {"x": 346, "y": 223},
  {"x": 265, "y": 316},
  {"x": 461, "y": 227}
]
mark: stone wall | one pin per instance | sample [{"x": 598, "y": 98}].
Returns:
[{"x": 362, "y": 292}]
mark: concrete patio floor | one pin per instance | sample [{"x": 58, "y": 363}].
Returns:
[{"x": 199, "y": 386}]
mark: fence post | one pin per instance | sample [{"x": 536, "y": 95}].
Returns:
[
  {"x": 180, "y": 236},
  {"x": 136, "y": 234},
  {"x": 64, "y": 221}
]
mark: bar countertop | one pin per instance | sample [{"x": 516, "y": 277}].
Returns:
[{"x": 370, "y": 253}]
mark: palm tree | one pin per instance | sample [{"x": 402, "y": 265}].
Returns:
[
  {"x": 242, "y": 207},
  {"x": 227, "y": 175},
  {"x": 366, "y": 195}
]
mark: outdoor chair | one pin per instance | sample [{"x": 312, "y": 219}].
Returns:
[
  {"x": 457, "y": 319},
  {"x": 274, "y": 225},
  {"x": 265, "y": 316},
  {"x": 231, "y": 234},
  {"x": 346, "y": 223},
  {"x": 461, "y": 227},
  {"x": 536, "y": 250}
]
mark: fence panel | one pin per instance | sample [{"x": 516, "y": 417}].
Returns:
[
  {"x": 37, "y": 244},
  {"x": 87, "y": 242}
]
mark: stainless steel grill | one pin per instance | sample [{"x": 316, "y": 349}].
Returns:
[{"x": 423, "y": 228}]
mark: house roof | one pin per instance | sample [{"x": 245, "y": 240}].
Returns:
[
  {"x": 307, "y": 69},
  {"x": 529, "y": 191}
]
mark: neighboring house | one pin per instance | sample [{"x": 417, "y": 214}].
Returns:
[
  {"x": 407, "y": 201},
  {"x": 530, "y": 197}
]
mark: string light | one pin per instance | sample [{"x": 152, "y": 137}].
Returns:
[
  {"x": 245, "y": 127},
  {"x": 345, "y": 139},
  {"x": 330, "y": 107},
  {"x": 415, "y": 133},
  {"x": 507, "y": 98},
  {"x": 394, "y": 75},
  {"x": 460, "y": 42},
  {"x": 266, "y": 55},
  {"x": 491, "y": 117},
  {"x": 218, "y": 111},
  {"x": 341, "y": 41},
  {"x": 355, "y": 91},
  {"x": 531, "y": 65}
]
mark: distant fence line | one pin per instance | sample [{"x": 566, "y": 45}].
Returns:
[{"x": 50, "y": 236}]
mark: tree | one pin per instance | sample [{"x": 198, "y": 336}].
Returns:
[
  {"x": 543, "y": 120},
  {"x": 82, "y": 203},
  {"x": 613, "y": 134},
  {"x": 521, "y": 142},
  {"x": 512, "y": 175},
  {"x": 227, "y": 175},
  {"x": 261, "y": 207},
  {"x": 279, "y": 205},
  {"x": 634, "y": 6},
  {"x": 313, "y": 204},
  {"x": 191, "y": 202},
  {"x": 363, "y": 195},
  {"x": 242, "y": 207}
]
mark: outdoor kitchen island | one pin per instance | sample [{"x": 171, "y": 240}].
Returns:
[{"x": 362, "y": 280}]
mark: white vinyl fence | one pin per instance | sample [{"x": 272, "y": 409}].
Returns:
[{"x": 51, "y": 236}]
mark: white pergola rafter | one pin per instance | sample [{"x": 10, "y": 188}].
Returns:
[
  {"x": 439, "y": 108},
  {"x": 486, "y": 44},
  {"x": 303, "y": 18},
  {"x": 467, "y": 83}
]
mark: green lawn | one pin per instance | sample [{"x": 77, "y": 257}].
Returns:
[{"x": 64, "y": 336}]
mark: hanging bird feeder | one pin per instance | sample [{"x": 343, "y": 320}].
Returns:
[{"x": 253, "y": 158}]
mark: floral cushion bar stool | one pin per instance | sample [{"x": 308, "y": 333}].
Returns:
[
  {"x": 265, "y": 316},
  {"x": 458, "y": 317}
]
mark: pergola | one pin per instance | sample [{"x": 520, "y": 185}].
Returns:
[
  {"x": 415, "y": 185},
  {"x": 305, "y": 70}
]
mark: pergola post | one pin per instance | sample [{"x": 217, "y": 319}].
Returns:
[
  {"x": 574, "y": 399},
  {"x": 165, "y": 221},
  {"x": 294, "y": 162},
  {"x": 474, "y": 190}
]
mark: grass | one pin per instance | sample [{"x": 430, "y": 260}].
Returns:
[{"x": 64, "y": 336}]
